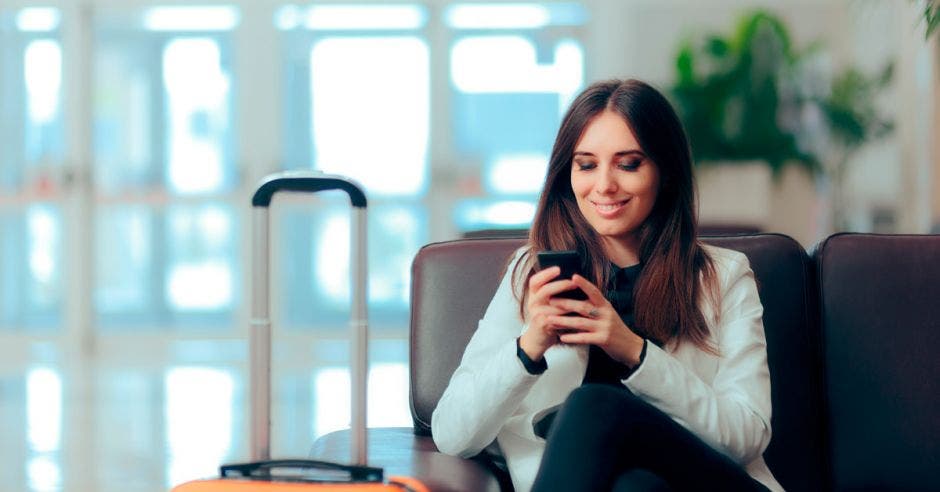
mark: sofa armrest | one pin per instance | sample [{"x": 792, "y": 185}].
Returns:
[{"x": 401, "y": 452}]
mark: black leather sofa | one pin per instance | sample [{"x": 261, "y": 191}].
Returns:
[{"x": 853, "y": 337}]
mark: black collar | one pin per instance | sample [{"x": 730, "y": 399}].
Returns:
[{"x": 624, "y": 278}]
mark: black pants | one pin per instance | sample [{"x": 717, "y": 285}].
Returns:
[{"x": 606, "y": 438}]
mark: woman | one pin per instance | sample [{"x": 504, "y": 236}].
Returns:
[{"x": 659, "y": 379}]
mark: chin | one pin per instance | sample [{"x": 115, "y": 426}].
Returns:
[{"x": 613, "y": 233}]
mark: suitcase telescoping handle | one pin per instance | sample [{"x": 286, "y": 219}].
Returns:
[{"x": 260, "y": 343}]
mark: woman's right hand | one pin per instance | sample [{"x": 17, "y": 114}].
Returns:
[{"x": 540, "y": 334}]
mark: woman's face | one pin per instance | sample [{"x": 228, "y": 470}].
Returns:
[{"x": 613, "y": 180}]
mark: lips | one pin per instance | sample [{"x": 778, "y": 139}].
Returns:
[{"x": 609, "y": 208}]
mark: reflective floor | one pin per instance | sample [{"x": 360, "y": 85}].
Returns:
[{"x": 125, "y": 423}]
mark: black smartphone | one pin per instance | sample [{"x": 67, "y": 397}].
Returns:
[{"x": 570, "y": 264}]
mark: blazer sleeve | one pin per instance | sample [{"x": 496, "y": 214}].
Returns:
[
  {"x": 732, "y": 414},
  {"x": 490, "y": 383}
]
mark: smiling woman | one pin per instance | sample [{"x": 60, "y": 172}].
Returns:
[
  {"x": 659, "y": 378},
  {"x": 639, "y": 148}
]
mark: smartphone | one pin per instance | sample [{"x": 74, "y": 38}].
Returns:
[{"x": 570, "y": 264}]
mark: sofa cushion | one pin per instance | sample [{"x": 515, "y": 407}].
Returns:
[{"x": 880, "y": 314}]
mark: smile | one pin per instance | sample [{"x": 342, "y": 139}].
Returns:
[{"x": 609, "y": 208}]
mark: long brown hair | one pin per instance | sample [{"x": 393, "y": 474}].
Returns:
[{"x": 675, "y": 265}]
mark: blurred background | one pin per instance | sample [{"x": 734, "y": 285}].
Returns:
[{"x": 133, "y": 132}]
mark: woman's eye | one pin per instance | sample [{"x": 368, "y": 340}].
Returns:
[
  {"x": 631, "y": 165},
  {"x": 584, "y": 166}
]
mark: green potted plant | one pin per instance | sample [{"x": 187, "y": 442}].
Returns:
[
  {"x": 728, "y": 91},
  {"x": 752, "y": 97},
  {"x": 931, "y": 16},
  {"x": 853, "y": 119}
]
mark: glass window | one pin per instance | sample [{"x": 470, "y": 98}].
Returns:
[
  {"x": 163, "y": 113},
  {"x": 31, "y": 157},
  {"x": 30, "y": 96},
  {"x": 197, "y": 18},
  {"x": 38, "y": 19},
  {"x": 43, "y": 230},
  {"x": 42, "y": 73},
  {"x": 197, "y": 101},
  {"x": 173, "y": 266},
  {"x": 164, "y": 173},
  {"x": 514, "y": 68},
  {"x": 314, "y": 262},
  {"x": 123, "y": 282},
  {"x": 356, "y": 103},
  {"x": 351, "y": 17},
  {"x": 126, "y": 119},
  {"x": 495, "y": 16},
  {"x": 357, "y": 94},
  {"x": 200, "y": 274},
  {"x": 374, "y": 132},
  {"x": 487, "y": 213},
  {"x": 31, "y": 257}
]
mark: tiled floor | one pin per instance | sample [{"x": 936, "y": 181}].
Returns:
[{"x": 123, "y": 425}]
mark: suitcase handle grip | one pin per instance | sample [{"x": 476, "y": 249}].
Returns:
[
  {"x": 306, "y": 181},
  {"x": 356, "y": 473}
]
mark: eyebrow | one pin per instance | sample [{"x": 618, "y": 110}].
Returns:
[{"x": 616, "y": 154}]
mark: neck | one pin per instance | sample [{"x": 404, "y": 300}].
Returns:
[{"x": 622, "y": 252}]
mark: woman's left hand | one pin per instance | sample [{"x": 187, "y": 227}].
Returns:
[{"x": 597, "y": 323}]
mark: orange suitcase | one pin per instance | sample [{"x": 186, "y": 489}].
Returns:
[
  {"x": 297, "y": 475},
  {"x": 254, "y": 477},
  {"x": 259, "y": 477}
]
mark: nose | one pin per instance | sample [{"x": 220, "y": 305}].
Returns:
[{"x": 605, "y": 184}]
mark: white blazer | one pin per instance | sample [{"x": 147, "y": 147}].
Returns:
[{"x": 724, "y": 400}]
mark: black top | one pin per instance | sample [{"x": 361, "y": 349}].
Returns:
[{"x": 602, "y": 368}]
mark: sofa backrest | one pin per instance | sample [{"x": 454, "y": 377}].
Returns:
[
  {"x": 785, "y": 283},
  {"x": 880, "y": 315},
  {"x": 453, "y": 282}
]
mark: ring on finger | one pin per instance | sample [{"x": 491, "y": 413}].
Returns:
[{"x": 593, "y": 313}]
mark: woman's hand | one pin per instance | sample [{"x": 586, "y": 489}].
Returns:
[
  {"x": 541, "y": 333},
  {"x": 596, "y": 323}
]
